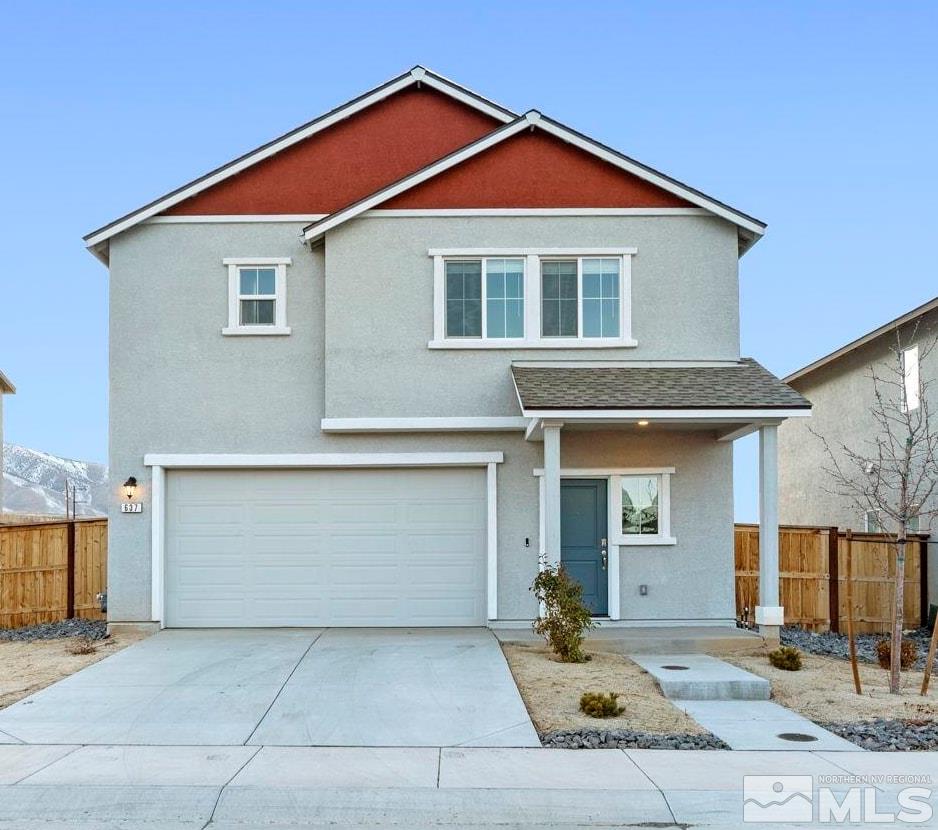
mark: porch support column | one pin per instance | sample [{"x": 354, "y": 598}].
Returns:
[
  {"x": 552, "y": 491},
  {"x": 769, "y": 614}
]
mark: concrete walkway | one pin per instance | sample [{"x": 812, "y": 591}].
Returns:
[
  {"x": 235, "y": 788},
  {"x": 338, "y": 687},
  {"x": 733, "y": 704}
]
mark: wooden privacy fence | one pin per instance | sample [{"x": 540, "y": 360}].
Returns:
[
  {"x": 51, "y": 571},
  {"x": 812, "y": 578}
]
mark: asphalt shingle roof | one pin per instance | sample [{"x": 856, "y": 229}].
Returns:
[{"x": 744, "y": 385}]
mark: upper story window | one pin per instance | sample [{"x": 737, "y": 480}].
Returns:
[
  {"x": 257, "y": 295},
  {"x": 527, "y": 298},
  {"x": 485, "y": 298},
  {"x": 581, "y": 297}
]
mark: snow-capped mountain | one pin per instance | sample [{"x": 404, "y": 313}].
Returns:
[{"x": 34, "y": 483}]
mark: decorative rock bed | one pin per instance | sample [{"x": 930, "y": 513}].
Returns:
[
  {"x": 828, "y": 644},
  {"x": 92, "y": 629},
  {"x": 889, "y": 735},
  {"x": 627, "y": 739}
]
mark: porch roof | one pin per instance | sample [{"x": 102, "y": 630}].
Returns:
[{"x": 745, "y": 385}]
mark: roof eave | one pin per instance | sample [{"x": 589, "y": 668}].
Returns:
[{"x": 869, "y": 337}]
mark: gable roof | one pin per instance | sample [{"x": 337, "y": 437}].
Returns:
[
  {"x": 6, "y": 387},
  {"x": 908, "y": 317},
  {"x": 749, "y": 228},
  {"x": 96, "y": 241}
]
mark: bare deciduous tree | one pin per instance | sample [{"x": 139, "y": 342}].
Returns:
[{"x": 894, "y": 473}]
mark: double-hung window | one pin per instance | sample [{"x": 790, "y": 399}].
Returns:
[
  {"x": 911, "y": 386},
  {"x": 485, "y": 298},
  {"x": 642, "y": 507},
  {"x": 257, "y": 295},
  {"x": 532, "y": 298}
]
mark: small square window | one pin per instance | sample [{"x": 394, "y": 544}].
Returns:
[
  {"x": 639, "y": 505},
  {"x": 257, "y": 296}
]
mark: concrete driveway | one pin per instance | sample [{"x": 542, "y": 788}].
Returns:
[{"x": 332, "y": 687}]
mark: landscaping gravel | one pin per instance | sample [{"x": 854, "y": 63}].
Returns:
[
  {"x": 92, "y": 629},
  {"x": 828, "y": 644},
  {"x": 889, "y": 735},
  {"x": 626, "y": 739}
]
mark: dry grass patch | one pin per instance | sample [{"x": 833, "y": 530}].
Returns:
[
  {"x": 27, "y": 667},
  {"x": 551, "y": 691},
  {"x": 823, "y": 690}
]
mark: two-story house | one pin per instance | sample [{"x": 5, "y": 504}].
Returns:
[
  {"x": 376, "y": 371},
  {"x": 841, "y": 389}
]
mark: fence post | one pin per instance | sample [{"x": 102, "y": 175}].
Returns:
[
  {"x": 923, "y": 578},
  {"x": 70, "y": 574},
  {"x": 833, "y": 570}
]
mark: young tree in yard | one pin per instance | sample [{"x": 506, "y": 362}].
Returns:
[{"x": 894, "y": 474}]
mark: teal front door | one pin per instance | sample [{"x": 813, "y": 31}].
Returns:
[{"x": 583, "y": 538}]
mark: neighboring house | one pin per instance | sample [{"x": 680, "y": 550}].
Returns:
[
  {"x": 6, "y": 388},
  {"x": 841, "y": 390},
  {"x": 372, "y": 372}
]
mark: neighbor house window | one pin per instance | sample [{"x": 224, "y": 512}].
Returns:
[
  {"x": 485, "y": 298},
  {"x": 257, "y": 296},
  {"x": 529, "y": 298},
  {"x": 871, "y": 523},
  {"x": 911, "y": 384},
  {"x": 642, "y": 507}
]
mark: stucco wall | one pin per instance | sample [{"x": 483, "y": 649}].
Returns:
[
  {"x": 177, "y": 385},
  {"x": 685, "y": 306},
  {"x": 842, "y": 396}
]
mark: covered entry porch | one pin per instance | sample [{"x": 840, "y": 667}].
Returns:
[{"x": 646, "y": 525}]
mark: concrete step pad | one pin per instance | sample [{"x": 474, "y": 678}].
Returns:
[
  {"x": 760, "y": 724},
  {"x": 700, "y": 677}
]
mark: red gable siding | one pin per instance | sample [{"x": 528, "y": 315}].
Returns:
[
  {"x": 348, "y": 160},
  {"x": 534, "y": 169}
]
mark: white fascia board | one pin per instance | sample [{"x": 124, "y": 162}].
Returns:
[
  {"x": 698, "y": 415},
  {"x": 416, "y": 75},
  {"x": 319, "y": 229},
  {"x": 325, "y": 460},
  {"x": 588, "y": 472},
  {"x": 470, "y": 424},
  {"x": 534, "y": 119}
]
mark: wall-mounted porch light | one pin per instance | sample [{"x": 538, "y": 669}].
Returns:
[{"x": 130, "y": 487}]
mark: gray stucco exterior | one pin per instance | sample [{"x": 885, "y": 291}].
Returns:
[
  {"x": 842, "y": 396},
  {"x": 361, "y": 311}
]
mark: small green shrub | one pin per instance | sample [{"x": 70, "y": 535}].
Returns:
[
  {"x": 908, "y": 654},
  {"x": 565, "y": 617},
  {"x": 787, "y": 658},
  {"x": 600, "y": 704}
]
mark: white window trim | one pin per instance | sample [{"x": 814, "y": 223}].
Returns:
[
  {"x": 532, "y": 299},
  {"x": 234, "y": 265},
  {"x": 871, "y": 514}
]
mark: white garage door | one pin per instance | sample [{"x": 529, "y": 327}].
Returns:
[{"x": 325, "y": 548}]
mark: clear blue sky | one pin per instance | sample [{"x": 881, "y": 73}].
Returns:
[{"x": 819, "y": 119}]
